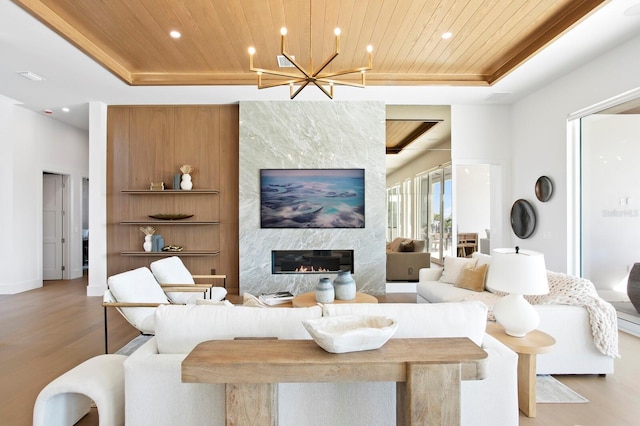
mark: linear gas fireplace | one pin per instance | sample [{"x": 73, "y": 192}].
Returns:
[{"x": 311, "y": 261}]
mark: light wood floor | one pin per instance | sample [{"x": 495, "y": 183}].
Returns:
[{"x": 47, "y": 331}]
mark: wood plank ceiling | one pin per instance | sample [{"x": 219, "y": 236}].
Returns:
[{"x": 489, "y": 37}]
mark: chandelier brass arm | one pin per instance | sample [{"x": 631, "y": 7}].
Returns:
[{"x": 316, "y": 77}]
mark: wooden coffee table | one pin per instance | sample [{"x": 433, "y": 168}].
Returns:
[
  {"x": 527, "y": 347},
  {"x": 309, "y": 299}
]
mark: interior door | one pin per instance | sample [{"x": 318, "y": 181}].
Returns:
[{"x": 52, "y": 230}]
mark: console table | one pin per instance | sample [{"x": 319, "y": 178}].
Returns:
[{"x": 427, "y": 371}]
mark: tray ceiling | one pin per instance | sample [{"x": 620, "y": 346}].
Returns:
[{"x": 131, "y": 38}]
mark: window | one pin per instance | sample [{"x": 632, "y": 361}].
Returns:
[
  {"x": 421, "y": 209},
  {"x": 393, "y": 212},
  {"x": 435, "y": 211}
]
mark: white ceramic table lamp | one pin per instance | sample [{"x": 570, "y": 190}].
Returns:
[{"x": 517, "y": 272}]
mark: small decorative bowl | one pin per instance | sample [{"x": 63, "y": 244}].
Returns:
[
  {"x": 351, "y": 333},
  {"x": 169, "y": 216}
]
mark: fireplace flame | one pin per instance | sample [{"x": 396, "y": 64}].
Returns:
[{"x": 306, "y": 268}]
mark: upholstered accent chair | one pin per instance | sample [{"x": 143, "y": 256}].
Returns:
[{"x": 170, "y": 271}]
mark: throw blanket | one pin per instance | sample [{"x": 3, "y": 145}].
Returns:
[{"x": 569, "y": 290}]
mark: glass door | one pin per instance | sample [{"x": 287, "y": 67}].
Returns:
[
  {"x": 436, "y": 212},
  {"x": 393, "y": 212}
]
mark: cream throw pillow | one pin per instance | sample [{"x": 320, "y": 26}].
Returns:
[
  {"x": 453, "y": 267},
  {"x": 472, "y": 278}
]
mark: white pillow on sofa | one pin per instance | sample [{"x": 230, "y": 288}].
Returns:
[
  {"x": 483, "y": 259},
  {"x": 422, "y": 320},
  {"x": 453, "y": 267},
  {"x": 179, "y": 328}
]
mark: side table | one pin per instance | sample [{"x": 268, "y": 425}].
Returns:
[
  {"x": 309, "y": 299},
  {"x": 527, "y": 347}
]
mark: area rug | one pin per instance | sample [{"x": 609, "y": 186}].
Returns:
[
  {"x": 131, "y": 347},
  {"x": 550, "y": 391}
]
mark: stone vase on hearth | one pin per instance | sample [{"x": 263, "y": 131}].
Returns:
[
  {"x": 344, "y": 286},
  {"x": 324, "y": 291}
]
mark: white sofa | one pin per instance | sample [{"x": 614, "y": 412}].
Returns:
[
  {"x": 154, "y": 393},
  {"x": 575, "y": 351}
]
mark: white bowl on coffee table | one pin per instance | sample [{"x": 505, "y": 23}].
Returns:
[{"x": 351, "y": 333}]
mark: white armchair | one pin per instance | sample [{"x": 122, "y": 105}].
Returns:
[
  {"x": 135, "y": 295},
  {"x": 170, "y": 272}
]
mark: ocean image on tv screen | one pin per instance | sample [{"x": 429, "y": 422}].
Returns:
[{"x": 327, "y": 198}]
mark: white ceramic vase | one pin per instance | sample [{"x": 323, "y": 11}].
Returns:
[
  {"x": 147, "y": 243},
  {"x": 324, "y": 291},
  {"x": 345, "y": 286},
  {"x": 186, "y": 183}
]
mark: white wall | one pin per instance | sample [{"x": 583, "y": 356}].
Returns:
[
  {"x": 6, "y": 193},
  {"x": 539, "y": 136},
  {"x": 481, "y": 135},
  {"x": 473, "y": 213},
  {"x": 97, "y": 199},
  {"x": 34, "y": 144}
]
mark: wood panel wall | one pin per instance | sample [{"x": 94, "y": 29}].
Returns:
[{"x": 149, "y": 144}]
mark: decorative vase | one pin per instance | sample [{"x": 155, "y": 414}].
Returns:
[
  {"x": 186, "y": 182},
  {"x": 324, "y": 291},
  {"x": 147, "y": 245},
  {"x": 633, "y": 286},
  {"x": 345, "y": 286}
]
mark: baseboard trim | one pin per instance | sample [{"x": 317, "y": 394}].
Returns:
[
  {"x": 401, "y": 287},
  {"x": 628, "y": 327}
]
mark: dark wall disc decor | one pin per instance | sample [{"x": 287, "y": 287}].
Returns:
[
  {"x": 544, "y": 189},
  {"x": 523, "y": 219}
]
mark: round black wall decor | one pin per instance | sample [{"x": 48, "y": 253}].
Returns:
[
  {"x": 544, "y": 188},
  {"x": 523, "y": 219}
]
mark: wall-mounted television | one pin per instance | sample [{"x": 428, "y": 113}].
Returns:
[{"x": 312, "y": 198}]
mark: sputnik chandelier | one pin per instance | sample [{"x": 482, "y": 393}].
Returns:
[{"x": 324, "y": 81}]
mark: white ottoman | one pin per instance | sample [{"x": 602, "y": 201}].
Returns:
[{"x": 68, "y": 398}]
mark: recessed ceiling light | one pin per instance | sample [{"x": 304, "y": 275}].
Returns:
[
  {"x": 175, "y": 34},
  {"x": 65, "y": 109},
  {"x": 47, "y": 112},
  {"x": 30, "y": 75},
  {"x": 446, "y": 35}
]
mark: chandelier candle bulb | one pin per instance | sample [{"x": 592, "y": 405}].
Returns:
[{"x": 303, "y": 77}]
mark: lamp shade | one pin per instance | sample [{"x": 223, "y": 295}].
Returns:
[{"x": 518, "y": 272}]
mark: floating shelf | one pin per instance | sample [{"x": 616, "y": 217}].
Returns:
[
  {"x": 170, "y": 191},
  {"x": 170, "y": 253},
  {"x": 170, "y": 222}
]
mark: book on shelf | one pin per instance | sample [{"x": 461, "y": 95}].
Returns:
[{"x": 276, "y": 298}]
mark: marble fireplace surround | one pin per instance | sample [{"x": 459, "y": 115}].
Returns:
[{"x": 311, "y": 135}]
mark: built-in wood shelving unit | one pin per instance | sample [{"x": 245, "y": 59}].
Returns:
[
  {"x": 169, "y": 222},
  {"x": 171, "y": 253},
  {"x": 169, "y": 191},
  {"x": 150, "y": 143}
]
